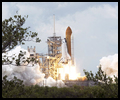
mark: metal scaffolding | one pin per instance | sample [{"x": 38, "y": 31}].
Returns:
[
  {"x": 49, "y": 62},
  {"x": 54, "y": 55}
]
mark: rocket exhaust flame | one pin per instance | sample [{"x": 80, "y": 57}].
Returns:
[{"x": 69, "y": 71}]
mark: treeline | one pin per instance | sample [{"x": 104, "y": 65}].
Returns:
[{"x": 16, "y": 89}]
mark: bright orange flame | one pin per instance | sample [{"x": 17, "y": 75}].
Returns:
[
  {"x": 72, "y": 74},
  {"x": 82, "y": 78},
  {"x": 71, "y": 71}
]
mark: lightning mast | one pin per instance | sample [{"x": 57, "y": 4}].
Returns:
[{"x": 54, "y": 25}]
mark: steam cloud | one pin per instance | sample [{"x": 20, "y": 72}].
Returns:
[
  {"x": 31, "y": 75},
  {"x": 110, "y": 65}
]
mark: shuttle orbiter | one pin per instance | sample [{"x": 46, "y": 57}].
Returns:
[{"x": 65, "y": 56}]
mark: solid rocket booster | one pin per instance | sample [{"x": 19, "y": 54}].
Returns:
[{"x": 68, "y": 39}]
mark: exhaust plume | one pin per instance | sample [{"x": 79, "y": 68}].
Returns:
[{"x": 109, "y": 65}]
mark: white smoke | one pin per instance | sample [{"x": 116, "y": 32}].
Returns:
[
  {"x": 31, "y": 75},
  {"x": 109, "y": 65}
]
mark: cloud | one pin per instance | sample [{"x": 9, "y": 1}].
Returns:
[
  {"x": 105, "y": 10},
  {"x": 113, "y": 36},
  {"x": 110, "y": 65},
  {"x": 61, "y": 5}
]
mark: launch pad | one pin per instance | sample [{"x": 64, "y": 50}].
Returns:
[{"x": 50, "y": 63}]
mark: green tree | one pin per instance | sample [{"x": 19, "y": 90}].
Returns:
[
  {"x": 14, "y": 34},
  {"x": 100, "y": 78}
]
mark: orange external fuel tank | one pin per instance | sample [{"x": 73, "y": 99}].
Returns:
[{"x": 68, "y": 39}]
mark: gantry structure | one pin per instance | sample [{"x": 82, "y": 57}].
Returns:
[
  {"x": 49, "y": 62},
  {"x": 54, "y": 55}
]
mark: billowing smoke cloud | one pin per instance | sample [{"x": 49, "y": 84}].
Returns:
[
  {"x": 30, "y": 75},
  {"x": 110, "y": 65}
]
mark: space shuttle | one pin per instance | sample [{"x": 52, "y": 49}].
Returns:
[
  {"x": 66, "y": 47},
  {"x": 65, "y": 56}
]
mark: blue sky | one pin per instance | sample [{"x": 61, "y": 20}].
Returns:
[{"x": 94, "y": 26}]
